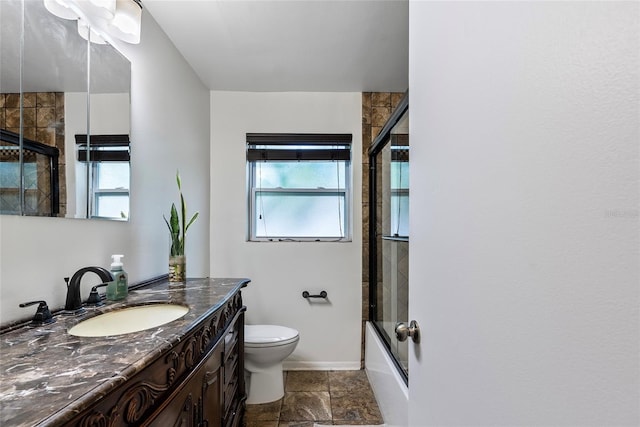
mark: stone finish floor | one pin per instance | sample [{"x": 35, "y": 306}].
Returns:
[{"x": 319, "y": 398}]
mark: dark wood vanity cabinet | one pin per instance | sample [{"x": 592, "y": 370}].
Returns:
[
  {"x": 198, "y": 383},
  {"x": 213, "y": 394},
  {"x": 193, "y": 404},
  {"x": 233, "y": 395}
]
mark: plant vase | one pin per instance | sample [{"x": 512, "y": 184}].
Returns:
[{"x": 177, "y": 269}]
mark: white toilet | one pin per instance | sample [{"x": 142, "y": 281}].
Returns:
[{"x": 265, "y": 347}]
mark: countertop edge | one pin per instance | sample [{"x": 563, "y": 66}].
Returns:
[{"x": 84, "y": 401}]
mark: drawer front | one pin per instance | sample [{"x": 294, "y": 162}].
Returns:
[
  {"x": 235, "y": 416},
  {"x": 231, "y": 339},
  {"x": 233, "y": 365}
]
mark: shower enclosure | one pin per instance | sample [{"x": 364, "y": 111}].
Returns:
[
  {"x": 29, "y": 177},
  {"x": 389, "y": 232}
]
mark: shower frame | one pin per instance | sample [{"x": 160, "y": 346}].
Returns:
[
  {"x": 383, "y": 138},
  {"x": 51, "y": 153}
]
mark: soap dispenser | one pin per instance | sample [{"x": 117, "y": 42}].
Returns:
[{"x": 119, "y": 287}]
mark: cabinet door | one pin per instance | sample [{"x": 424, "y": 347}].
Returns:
[
  {"x": 196, "y": 402},
  {"x": 212, "y": 394},
  {"x": 179, "y": 412}
]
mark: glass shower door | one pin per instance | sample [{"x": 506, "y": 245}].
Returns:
[{"x": 389, "y": 238}]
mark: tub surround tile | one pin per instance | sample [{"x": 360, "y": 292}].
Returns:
[
  {"x": 12, "y": 100},
  {"x": 380, "y": 99},
  {"x": 44, "y": 117},
  {"x": 42, "y": 121},
  {"x": 29, "y": 99},
  {"x": 376, "y": 109},
  {"x": 45, "y": 99},
  {"x": 379, "y": 116},
  {"x": 12, "y": 117},
  {"x": 30, "y": 132},
  {"x": 396, "y": 97},
  {"x": 366, "y": 100}
]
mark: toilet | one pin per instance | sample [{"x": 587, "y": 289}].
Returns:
[{"x": 265, "y": 347}]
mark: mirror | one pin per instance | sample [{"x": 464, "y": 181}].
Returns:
[{"x": 50, "y": 115}]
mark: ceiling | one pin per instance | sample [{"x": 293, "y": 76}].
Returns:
[{"x": 299, "y": 45}]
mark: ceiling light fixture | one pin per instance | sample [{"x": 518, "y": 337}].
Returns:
[{"x": 99, "y": 20}]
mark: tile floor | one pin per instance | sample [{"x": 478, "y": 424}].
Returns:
[{"x": 319, "y": 398}]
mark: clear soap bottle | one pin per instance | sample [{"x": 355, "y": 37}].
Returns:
[{"x": 119, "y": 287}]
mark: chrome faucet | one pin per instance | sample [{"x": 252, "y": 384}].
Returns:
[{"x": 74, "y": 302}]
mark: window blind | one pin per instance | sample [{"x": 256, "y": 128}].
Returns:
[
  {"x": 291, "y": 147},
  {"x": 103, "y": 148}
]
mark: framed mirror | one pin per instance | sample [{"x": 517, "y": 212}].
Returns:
[{"x": 57, "y": 89}]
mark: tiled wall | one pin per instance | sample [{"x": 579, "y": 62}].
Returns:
[
  {"x": 43, "y": 121},
  {"x": 376, "y": 110}
]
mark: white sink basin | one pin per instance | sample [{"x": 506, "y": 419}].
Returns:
[{"x": 127, "y": 320}]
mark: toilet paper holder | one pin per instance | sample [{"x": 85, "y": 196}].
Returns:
[{"x": 306, "y": 294}]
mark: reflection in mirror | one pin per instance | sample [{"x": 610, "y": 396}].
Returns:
[
  {"x": 51, "y": 107},
  {"x": 10, "y": 154},
  {"x": 109, "y": 133},
  {"x": 398, "y": 182},
  {"x": 54, "y": 65}
]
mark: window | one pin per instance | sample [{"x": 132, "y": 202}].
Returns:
[
  {"x": 299, "y": 187},
  {"x": 111, "y": 189},
  {"x": 109, "y": 155},
  {"x": 399, "y": 189}
]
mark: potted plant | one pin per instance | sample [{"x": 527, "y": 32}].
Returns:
[{"x": 178, "y": 227}]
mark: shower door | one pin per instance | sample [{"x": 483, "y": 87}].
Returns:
[{"x": 389, "y": 232}]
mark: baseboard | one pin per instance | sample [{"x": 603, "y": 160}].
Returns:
[{"x": 320, "y": 366}]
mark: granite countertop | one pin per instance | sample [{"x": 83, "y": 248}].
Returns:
[{"x": 45, "y": 372}]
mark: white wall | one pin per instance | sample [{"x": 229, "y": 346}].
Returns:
[
  {"x": 280, "y": 271},
  {"x": 169, "y": 130},
  {"x": 524, "y": 213}
]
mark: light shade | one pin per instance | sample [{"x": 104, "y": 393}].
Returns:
[
  {"x": 105, "y": 9},
  {"x": 127, "y": 21},
  {"x": 88, "y": 33},
  {"x": 61, "y": 9},
  {"x": 100, "y": 20}
]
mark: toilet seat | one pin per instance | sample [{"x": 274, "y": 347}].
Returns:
[{"x": 268, "y": 335}]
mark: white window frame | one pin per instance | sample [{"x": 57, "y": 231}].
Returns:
[
  {"x": 97, "y": 193},
  {"x": 253, "y": 193}
]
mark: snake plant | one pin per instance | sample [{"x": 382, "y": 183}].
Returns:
[{"x": 178, "y": 229}]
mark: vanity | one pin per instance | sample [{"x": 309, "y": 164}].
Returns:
[{"x": 187, "y": 372}]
